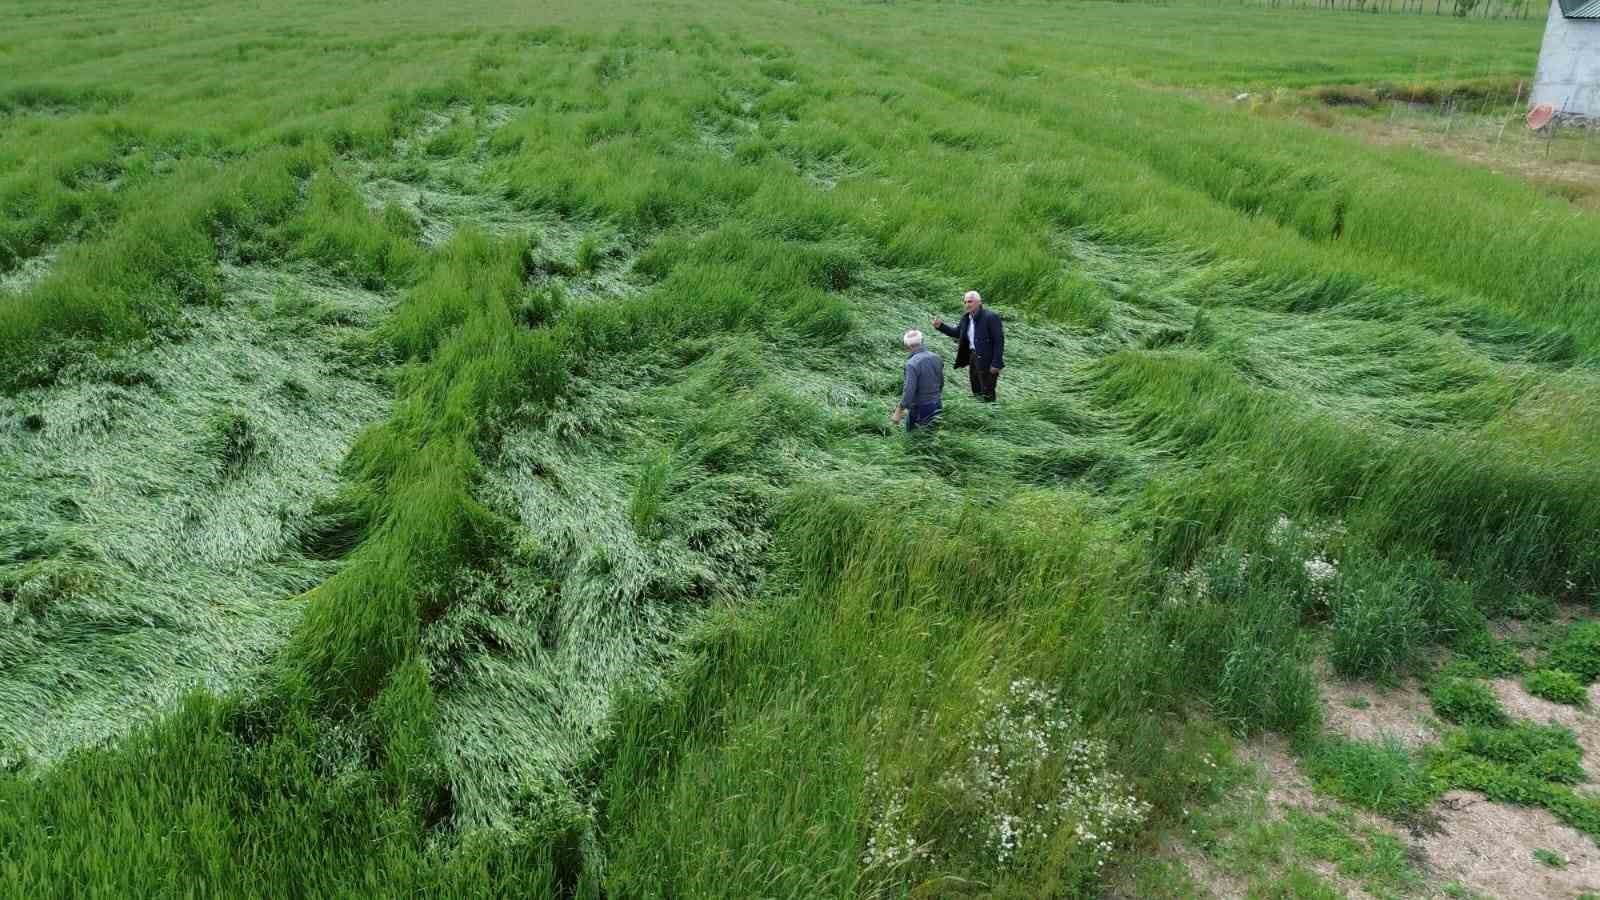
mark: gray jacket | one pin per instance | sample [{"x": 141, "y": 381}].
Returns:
[{"x": 924, "y": 379}]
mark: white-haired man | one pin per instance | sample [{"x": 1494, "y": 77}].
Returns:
[
  {"x": 980, "y": 345},
  {"x": 923, "y": 395}
]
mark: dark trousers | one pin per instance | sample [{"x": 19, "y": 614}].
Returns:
[
  {"x": 923, "y": 415},
  {"x": 983, "y": 383}
]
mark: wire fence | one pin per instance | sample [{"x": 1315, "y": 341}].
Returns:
[{"x": 1463, "y": 9}]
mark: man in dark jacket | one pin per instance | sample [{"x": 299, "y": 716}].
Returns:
[{"x": 980, "y": 345}]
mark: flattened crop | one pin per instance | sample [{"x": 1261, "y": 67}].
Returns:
[{"x": 152, "y": 505}]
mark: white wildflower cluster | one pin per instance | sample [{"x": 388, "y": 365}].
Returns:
[
  {"x": 1320, "y": 575},
  {"x": 889, "y": 841},
  {"x": 1282, "y": 532},
  {"x": 1026, "y": 776},
  {"x": 1190, "y": 585},
  {"x": 1029, "y": 735},
  {"x": 1321, "y": 571},
  {"x": 1286, "y": 533}
]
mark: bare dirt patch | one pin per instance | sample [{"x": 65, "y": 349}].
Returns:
[
  {"x": 1484, "y": 846},
  {"x": 1366, "y": 712},
  {"x": 1469, "y": 842},
  {"x": 1568, "y": 166},
  {"x": 1489, "y": 848},
  {"x": 1216, "y": 880},
  {"x": 1287, "y": 787}
]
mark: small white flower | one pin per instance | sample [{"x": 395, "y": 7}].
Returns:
[{"x": 1320, "y": 570}]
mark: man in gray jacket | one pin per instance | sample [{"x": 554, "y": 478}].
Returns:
[{"x": 920, "y": 402}]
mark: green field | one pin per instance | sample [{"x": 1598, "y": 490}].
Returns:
[{"x": 445, "y": 451}]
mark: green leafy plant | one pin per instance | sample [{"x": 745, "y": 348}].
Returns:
[
  {"x": 1466, "y": 702},
  {"x": 1556, "y": 686},
  {"x": 1481, "y": 653},
  {"x": 1577, "y": 652},
  {"x": 1543, "y": 752}
]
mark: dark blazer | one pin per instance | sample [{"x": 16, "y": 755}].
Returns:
[{"x": 990, "y": 337}]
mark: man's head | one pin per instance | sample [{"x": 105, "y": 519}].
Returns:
[
  {"x": 912, "y": 340},
  {"x": 972, "y": 301}
]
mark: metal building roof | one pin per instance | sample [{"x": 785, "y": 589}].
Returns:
[{"x": 1580, "y": 9}]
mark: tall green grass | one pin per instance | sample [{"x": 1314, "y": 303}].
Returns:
[
  {"x": 870, "y": 675},
  {"x": 1267, "y": 384}
]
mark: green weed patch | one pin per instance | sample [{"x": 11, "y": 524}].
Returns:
[
  {"x": 1521, "y": 763},
  {"x": 1577, "y": 652},
  {"x": 1547, "y": 753},
  {"x": 1382, "y": 777},
  {"x": 1466, "y": 701},
  {"x": 1556, "y": 686},
  {"x": 1479, "y": 654},
  {"x": 1272, "y": 854},
  {"x": 1518, "y": 784},
  {"x": 1379, "y": 861}
]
